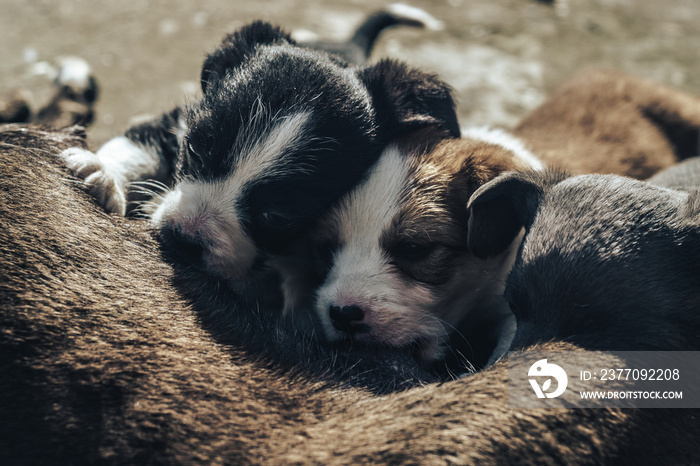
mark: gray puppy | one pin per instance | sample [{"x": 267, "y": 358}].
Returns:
[{"x": 607, "y": 262}]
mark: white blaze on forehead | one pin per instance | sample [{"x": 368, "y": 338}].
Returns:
[
  {"x": 369, "y": 209},
  {"x": 361, "y": 274},
  {"x": 258, "y": 155},
  {"x": 263, "y": 155}
]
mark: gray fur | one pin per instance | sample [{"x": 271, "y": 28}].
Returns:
[{"x": 607, "y": 262}]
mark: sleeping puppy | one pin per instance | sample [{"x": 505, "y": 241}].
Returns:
[
  {"x": 606, "y": 262},
  {"x": 399, "y": 270},
  {"x": 410, "y": 279},
  {"x": 280, "y": 133}
]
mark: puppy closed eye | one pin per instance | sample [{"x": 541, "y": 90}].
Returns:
[
  {"x": 194, "y": 154},
  {"x": 276, "y": 220},
  {"x": 412, "y": 250},
  {"x": 428, "y": 263}
]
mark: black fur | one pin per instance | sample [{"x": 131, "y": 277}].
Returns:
[
  {"x": 355, "y": 113},
  {"x": 606, "y": 262},
  {"x": 359, "y": 47}
]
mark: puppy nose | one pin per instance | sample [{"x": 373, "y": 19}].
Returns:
[
  {"x": 183, "y": 246},
  {"x": 347, "y": 319}
]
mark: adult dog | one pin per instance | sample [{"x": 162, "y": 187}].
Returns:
[{"x": 108, "y": 355}]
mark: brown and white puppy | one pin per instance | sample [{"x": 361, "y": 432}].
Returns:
[{"x": 399, "y": 270}]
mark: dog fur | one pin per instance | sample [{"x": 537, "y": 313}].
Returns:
[
  {"x": 439, "y": 285},
  {"x": 610, "y": 122},
  {"x": 358, "y": 48},
  {"x": 105, "y": 359},
  {"x": 396, "y": 251},
  {"x": 607, "y": 262},
  {"x": 281, "y": 132}
]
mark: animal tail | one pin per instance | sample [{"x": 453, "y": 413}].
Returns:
[{"x": 393, "y": 15}]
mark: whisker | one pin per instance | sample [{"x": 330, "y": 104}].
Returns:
[
  {"x": 155, "y": 184},
  {"x": 466, "y": 363}
]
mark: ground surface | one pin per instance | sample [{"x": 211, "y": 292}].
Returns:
[{"x": 501, "y": 56}]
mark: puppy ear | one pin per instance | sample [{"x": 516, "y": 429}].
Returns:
[
  {"x": 237, "y": 46},
  {"x": 407, "y": 99},
  {"x": 501, "y": 207}
]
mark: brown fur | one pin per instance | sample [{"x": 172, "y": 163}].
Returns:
[
  {"x": 105, "y": 361},
  {"x": 600, "y": 121},
  {"x": 444, "y": 179},
  {"x": 610, "y": 122},
  {"x": 416, "y": 280},
  {"x": 597, "y": 122}
]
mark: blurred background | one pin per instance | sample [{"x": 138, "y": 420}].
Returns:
[{"x": 501, "y": 56}]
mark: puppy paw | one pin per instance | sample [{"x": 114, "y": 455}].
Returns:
[{"x": 106, "y": 187}]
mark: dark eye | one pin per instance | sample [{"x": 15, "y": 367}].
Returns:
[
  {"x": 412, "y": 250},
  {"x": 194, "y": 153},
  {"x": 513, "y": 307},
  {"x": 277, "y": 220}
]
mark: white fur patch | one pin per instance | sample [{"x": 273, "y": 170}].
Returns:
[
  {"x": 74, "y": 72},
  {"x": 264, "y": 156},
  {"x": 505, "y": 140},
  {"x": 416, "y": 14},
  {"x": 368, "y": 210},
  {"x": 362, "y": 274},
  {"x": 125, "y": 159},
  {"x": 107, "y": 173}
]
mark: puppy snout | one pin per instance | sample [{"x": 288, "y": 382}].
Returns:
[
  {"x": 183, "y": 246},
  {"x": 348, "y": 319}
]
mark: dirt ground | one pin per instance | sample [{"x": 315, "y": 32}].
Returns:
[{"x": 501, "y": 56}]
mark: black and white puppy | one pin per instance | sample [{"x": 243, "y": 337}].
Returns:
[
  {"x": 399, "y": 270},
  {"x": 606, "y": 262},
  {"x": 281, "y": 132}
]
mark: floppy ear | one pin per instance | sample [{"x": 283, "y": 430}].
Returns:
[
  {"x": 237, "y": 46},
  {"x": 501, "y": 207},
  {"x": 406, "y": 99}
]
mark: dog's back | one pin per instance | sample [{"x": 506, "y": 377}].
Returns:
[
  {"x": 104, "y": 361},
  {"x": 684, "y": 176},
  {"x": 103, "y": 358}
]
